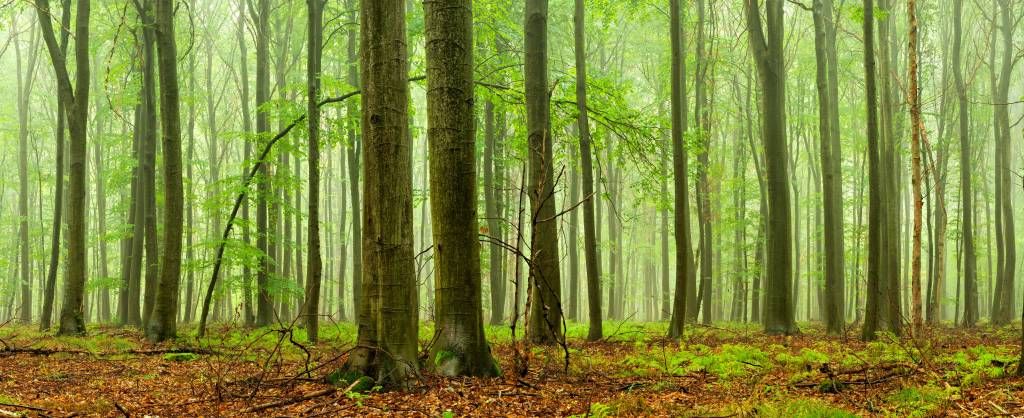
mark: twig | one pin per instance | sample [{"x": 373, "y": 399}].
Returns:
[{"x": 306, "y": 397}]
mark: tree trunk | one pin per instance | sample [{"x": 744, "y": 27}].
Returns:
[
  {"x": 388, "y": 323},
  {"x": 26, "y": 80},
  {"x": 917, "y": 128},
  {"x": 75, "y": 99},
  {"x": 970, "y": 269},
  {"x": 314, "y": 267},
  {"x": 831, "y": 165},
  {"x": 460, "y": 347},
  {"x": 264, "y": 303},
  {"x": 590, "y": 250},
  {"x": 768, "y": 53},
  {"x": 684, "y": 256},
  {"x": 875, "y": 318},
  {"x": 353, "y": 152},
  {"x": 545, "y": 324},
  {"x": 163, "y": 324},
  {"x": 1003, "y": 302}
]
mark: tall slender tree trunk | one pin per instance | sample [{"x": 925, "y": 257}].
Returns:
[
  {"x": 75, "y": 98},
  {"x": 315, "y": 264},
  {"x": 684, "y": 256},
  {"x": 875, "y": 318},
  {"x": 248, "y": 308},
  {"x": 831, "y": 164},
  {"x": 970, "y": 269},
  {"x": 545, "y": 324},
  {"x": 58, "y": 192},
  {"x": 590, "y": 251},
  {"x": 26, "y": 80},
  {"x": 264, "y": 304},
  {"x": 767, "y": 45},
  {"x": 163, "y": 324},
  {"x": 917, "y": 128},
  {"x": 353, "y": 151},
  {"x": 491, "y": 194},
  {"x": 1003, "y": 302}
]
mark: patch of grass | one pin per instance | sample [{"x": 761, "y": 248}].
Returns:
[
  {"x": 802, "y": 408},
  {"x": 920, "y": 401}
]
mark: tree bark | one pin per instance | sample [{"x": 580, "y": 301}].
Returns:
[
  {"x": 590, "y": 252},
  {"x": 460, "y": 347},
  {"x": 388, "y": 323},
  {"x": 75, "y": 99},
  {"x": 545, "y": 323},
  {"x": 684, "y": 256},
  {"x": 970, "y": 269},
  {"x": 767, "y": 45},
  {"x": 163, "y": 324},
  {"x": 314, "y": 264}
]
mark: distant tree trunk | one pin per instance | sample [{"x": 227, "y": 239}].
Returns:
[
  {"x": 190, "y": 193},
  {"x": 768, "y": 53},
  {"x": 460, "y": 347},
  {"x": 353, "y": 152},
  {"x": 970, "y": 269},
  {"x": 831, "y": 164},
  {"x": 315, "y": 264},
  {"x": 684, "y": 256},
  {"x": 917, "y": 129},
  {"x": 26, "y": 80},
  {"x": 163, "y": 324},
  {"x": 491, "y": 195},
  {"x": 702, "y": 118},
  {"x": 388, "y": 320},
  {"x": 250, "y": 315},
  {"x": 573, "y": 234},
  {"x": 590, "y": 253},
  {"x": 264, "y": 303},
  {"x": 545, "y": 325},
  {"x": 75, "y": 99}
]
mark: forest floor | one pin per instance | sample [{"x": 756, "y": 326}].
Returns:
[{"x": 722, "y": 371}]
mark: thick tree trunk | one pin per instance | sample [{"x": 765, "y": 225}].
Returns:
[
  {"x": 460, "y": 347},
  {"x": 917, "y": 128},
  {"x": 388, "y": 320}
]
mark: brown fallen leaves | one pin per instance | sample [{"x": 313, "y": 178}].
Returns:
[{"x": 251, "y": 380}]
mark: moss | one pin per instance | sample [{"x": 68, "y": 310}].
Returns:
[{"x": 181, "y": 356}]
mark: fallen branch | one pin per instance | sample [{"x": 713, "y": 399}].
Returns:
[
  {"x": 52, "y": 351},
  {"x": 30, "y": 408},
  {"x": 284, "y": 402}
]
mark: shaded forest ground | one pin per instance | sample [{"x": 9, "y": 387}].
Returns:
[{"x": 722, "y": 371}]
